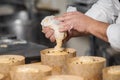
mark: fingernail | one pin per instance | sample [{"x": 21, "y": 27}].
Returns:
[
  {"x": 55, "y": 17},
  {"x": 61, "y": 29},
  {"x": 43, "y": 31}
]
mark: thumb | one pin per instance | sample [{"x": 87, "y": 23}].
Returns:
[{"x": 67, "y": 38}]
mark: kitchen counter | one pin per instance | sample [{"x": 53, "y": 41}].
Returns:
[{"x": 31, "y": 51}]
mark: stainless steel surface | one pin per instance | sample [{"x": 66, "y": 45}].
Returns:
[
  {"x": 25, "y": 28},
  {"x": 86, "y": 1},
  {"x": 19, "y": 2},
  {"x": 25, "y": 23},
  {"x": 6, "y": 10}
]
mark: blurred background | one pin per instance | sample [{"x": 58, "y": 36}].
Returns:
[{"x": 21, "y": 32}]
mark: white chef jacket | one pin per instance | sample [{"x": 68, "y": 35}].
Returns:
[{"x": 108, "y": 11}]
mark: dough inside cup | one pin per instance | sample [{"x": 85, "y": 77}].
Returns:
[{"x": 114, "y": 70}]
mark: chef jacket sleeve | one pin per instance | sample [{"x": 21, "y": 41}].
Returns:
[
  {"x": 113, "y": 34},
  {"x": 106, "y": 11}
]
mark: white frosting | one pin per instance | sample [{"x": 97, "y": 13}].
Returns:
[
  {"x": 49, "y": 21},
  {"x": 10, "y": 59},
  {"x": 71, "y": 9}
]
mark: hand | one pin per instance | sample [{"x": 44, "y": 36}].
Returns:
[
  {"x": 78, "y": 24},
  {"x": 75, "y": 23},
  {"x": 49, "y": 33}
]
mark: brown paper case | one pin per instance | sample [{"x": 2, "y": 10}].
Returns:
[
  {"x": 8, "y": 61},
  {"x": 57, "y": 61},
  {"x": 64, "y": 77},
  {"x": 89, "y": 71},
  {"x": 2, "y": 77},
  {"x": 71, "y": 52},
  {"x": 111, "y": 76},
  {"x": 30, "y": 72}
]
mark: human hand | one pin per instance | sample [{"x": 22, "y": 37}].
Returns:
[
  {"x": 52, "y": 31},
  {"x": 78, "y": 24}
]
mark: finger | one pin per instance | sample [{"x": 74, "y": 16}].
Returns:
[
  {"x": 67, "y": 38},
  {"x": 72, "y": 13},
  {"x": 67, "y": 26},
  {"x": 52, "y": 38},
  {"x": 49, "y": 33}
]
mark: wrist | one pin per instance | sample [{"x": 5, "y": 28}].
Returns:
[{"x": 91, "y": 24}]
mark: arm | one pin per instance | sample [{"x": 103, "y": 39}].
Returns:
[
  {"x": 109, "y": 12},
  {"x": 83, "y": 25}
]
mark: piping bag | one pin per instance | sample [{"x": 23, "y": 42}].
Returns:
[{"x": 50, "y": 22}]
